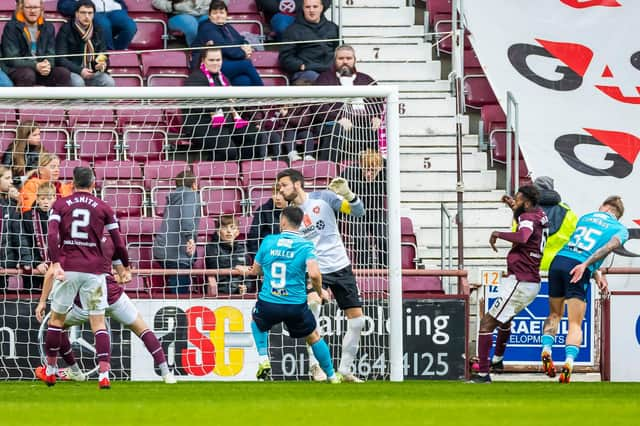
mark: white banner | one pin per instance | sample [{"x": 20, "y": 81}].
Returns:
[
  {"x": 203, "y": 339},
  {"x": 625, "y": 338},
  {"x": 573, "y": 66}
]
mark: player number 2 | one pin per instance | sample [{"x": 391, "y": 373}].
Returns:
[
  {"x": 81, "y": 219},
  {"x": 278, "y": 275}
]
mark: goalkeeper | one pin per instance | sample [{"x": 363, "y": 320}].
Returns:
[{"x": 320, "y": 226}]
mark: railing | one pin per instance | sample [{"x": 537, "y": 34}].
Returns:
[
  {"x": 445, "y": 222},
  {"x": 513, "y": 140}
]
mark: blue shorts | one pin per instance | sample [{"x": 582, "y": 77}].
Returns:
[
  {"x": 560, "y": 275},
  {"x": 298, "y": 318}
]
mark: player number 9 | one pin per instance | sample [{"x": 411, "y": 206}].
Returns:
[{"x": 278, "y": 275}]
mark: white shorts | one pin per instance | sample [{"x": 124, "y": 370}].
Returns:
[
  {"x": 122, "y": 311},
  {"x": 513, "y": 297},
  {"x": 91, "y": 288}
]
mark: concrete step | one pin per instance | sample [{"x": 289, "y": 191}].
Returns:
[
  {"x": 348, "y": 4},
  {"x": 383, "y": 16},
  {"x": 477, "y": 217},
  {"x": 421, "y": 107},
  {"x": 385, "y": 51},
  {"x": 424, "y": 126},
  {"x": 398, "y": 71},
  {"x": 420, "y": 197},
  {"x": 443, "y": 181},
  {"x": 442, "y": 140},
  {"x": 416, "y": 162},
  {"x": 350, "y": 29},
  {"x": 432, "y": 87},
  {"x": 473, "y": 237}
]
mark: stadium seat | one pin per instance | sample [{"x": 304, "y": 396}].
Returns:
[
  {"x": 258, "y": 195},
  {"x": 124, "y": 199},
  {"x": 125, "y": 69},
  {"x": 141, "y": 257},
  {"x": 493, "y": 117},
  {"x": 94, "y": 118},
  {"x": 128, "y": 80},
  {"x": 8, "y": 116},
  {"x": 14, "y": 283},
  {"x": 317, "y": 173},
  {"x": 151, "y": 23},
  {"x": 67, "y": 166},
  {"x": 498, "y": 141},
  {"x": 260, "y": 172},
  {"x": 144, "y": 144},
  {"x": 242, "y": 6},
  {"x": 117, "y": 172},
  {"x": 217, "y": 173},
  {"x": 166, "y": 80},
  {"x": 437, "y": 7},
  {"x": 406, "y": 230},
  {"x": 46, "y": 118},
  {"x": 478, "y": 91},
  {"x": 140, "y": 118},
  {"x": 57, "y": 141},
  {"x": 206, "y": 228},
  {"x": 419, "y": 287},
  {"x": 275, "y": 80},
  {"x": 7, "y": 135},
  {"x": 94, "y": 144},
  {"x": 219, "y": 200},
  {"x": 251, "y": 26},
  {"x": 445, "y": 41},
  {"x": 163, "y": 172},
  {"x": 373, "y": 286},
  {"x": 164, "y": 63},
  {"x": 139, "y": 229}
]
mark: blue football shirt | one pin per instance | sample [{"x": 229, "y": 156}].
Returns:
[
  {"x": 283, "y": 258},
  {"x": 593, "y": 231}
]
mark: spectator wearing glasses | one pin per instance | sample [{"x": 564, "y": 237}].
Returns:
[
  {"x": 30, "y": 41},
  {"x": 81, "y": 38}
]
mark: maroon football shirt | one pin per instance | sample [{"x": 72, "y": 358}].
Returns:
[
  {"x": 523, "y": 259},
  {"x": 76, "y": 226}
]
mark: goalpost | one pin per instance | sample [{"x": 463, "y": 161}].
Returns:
[{"x": 137, "y": 139}]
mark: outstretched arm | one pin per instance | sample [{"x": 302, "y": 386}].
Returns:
[
  {"x": 601, "y": 253},
  {"x": 348, "y": 202},
  {"x": 520, "y": 236}
]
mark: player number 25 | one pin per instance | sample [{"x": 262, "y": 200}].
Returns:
[
  {"x": 81, "y": 219},
  {"x": 278, "y": 275}
]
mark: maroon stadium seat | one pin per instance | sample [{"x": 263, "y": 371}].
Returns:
[
  {"x": 57, "y": 141},
  {"x": 8, "y": 116},
  {"x": 141, "y": 118},
  {"x": 418, "y": 287},
  {"x": 478, "y": 91},
  {"x": 409, "y": 253},
  {"x": 274, "y": 80},
  {"x": 219, "y": 200},
  {"x": 206, "y": 228},
  {"x": 117, "y": 172},
  {"x": 144, "y": 144},
  {"x": 162, "y": 172},
  {"x": 125, "y": 200},
  {"x": 7, "y": 135},
  {"x": 67, "y": 166},
  {"x": 123, "y": 61},
  {"x": 128, "y": 80},
  {"x": 49, "y": 117},
  {"x": 493, "y": 117},
  {"x": 406, "y": 230},
  {"x": 139, "y": 229},
  {"x": 437, "y": 7},
  {"x": 151, "y": 23},
  {"x": 166, "y": 80},
  {"x": 445, "y": 41},
  {"x": 94, "y": 118},
  {"x": 164, "y": 63},
  {"x": 265, "y": 59},
  {"x": 317, "y": 173},
  {"x": 261, "y": 172},
  {"x": 258, "y": 195},
  {"x": 94, "y": 144},
  {"x": 217, "y": 173},
  {"x": 373, "y": 286},
  {"x": 242, "y": 6}
]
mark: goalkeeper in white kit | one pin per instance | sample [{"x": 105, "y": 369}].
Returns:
[{"x": 320, "y": 226}]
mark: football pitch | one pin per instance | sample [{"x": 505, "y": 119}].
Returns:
[{"x": 277, "y": 403}]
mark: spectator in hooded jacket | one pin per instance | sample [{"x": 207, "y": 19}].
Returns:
[
  {"x": 78, "y": 37},
  {"x": 118, "y": 29},
  {"x": 308, "y": 60},
  {"x": 9, "y": 223},
  {"x": 29, "y": 37},
  {"x": 216, "y": 32},
  {"x": 186, "y": 15},
  {"x": 174, "y": 246},
  {"x": 282, "y": 13}
]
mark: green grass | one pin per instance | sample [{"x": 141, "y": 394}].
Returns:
[{"x": 374, "y": 403}]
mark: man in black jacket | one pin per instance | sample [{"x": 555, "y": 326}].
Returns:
[
  {"x": 266, "y": 220},
  {"x": 282, "y": 13},
  {"x": 308, "y": 60},
  {"x": 80, "y": 36},
  {"x": 29, "y": 37}
]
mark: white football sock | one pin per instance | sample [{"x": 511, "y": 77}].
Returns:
[
  {"x": 164, "y": 369},
  {"x": 350, "y": 344}
]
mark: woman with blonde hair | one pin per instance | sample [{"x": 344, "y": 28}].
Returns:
[
  {"x": 48, "y": 171},
  {"x": 23, "y": 154}
]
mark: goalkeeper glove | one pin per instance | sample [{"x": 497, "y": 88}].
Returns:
[{"x": 341, "y": 187}]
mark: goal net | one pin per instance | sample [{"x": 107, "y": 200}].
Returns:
[{"x": 200, "y": 164}]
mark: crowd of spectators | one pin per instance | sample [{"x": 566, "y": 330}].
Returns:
[{"x": 79, "y": 55}]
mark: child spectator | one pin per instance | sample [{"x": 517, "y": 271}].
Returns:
[
  {"x": 9, "y": 223},
  {"x": 174, "y": 246},
  {"x": 266, "y": 220},
  {"x": 33, "y": 237},
  {"x": 23, "y": 154},
  {"x": 48, "y": 171},
  {"x": 226, "y": 252}
]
